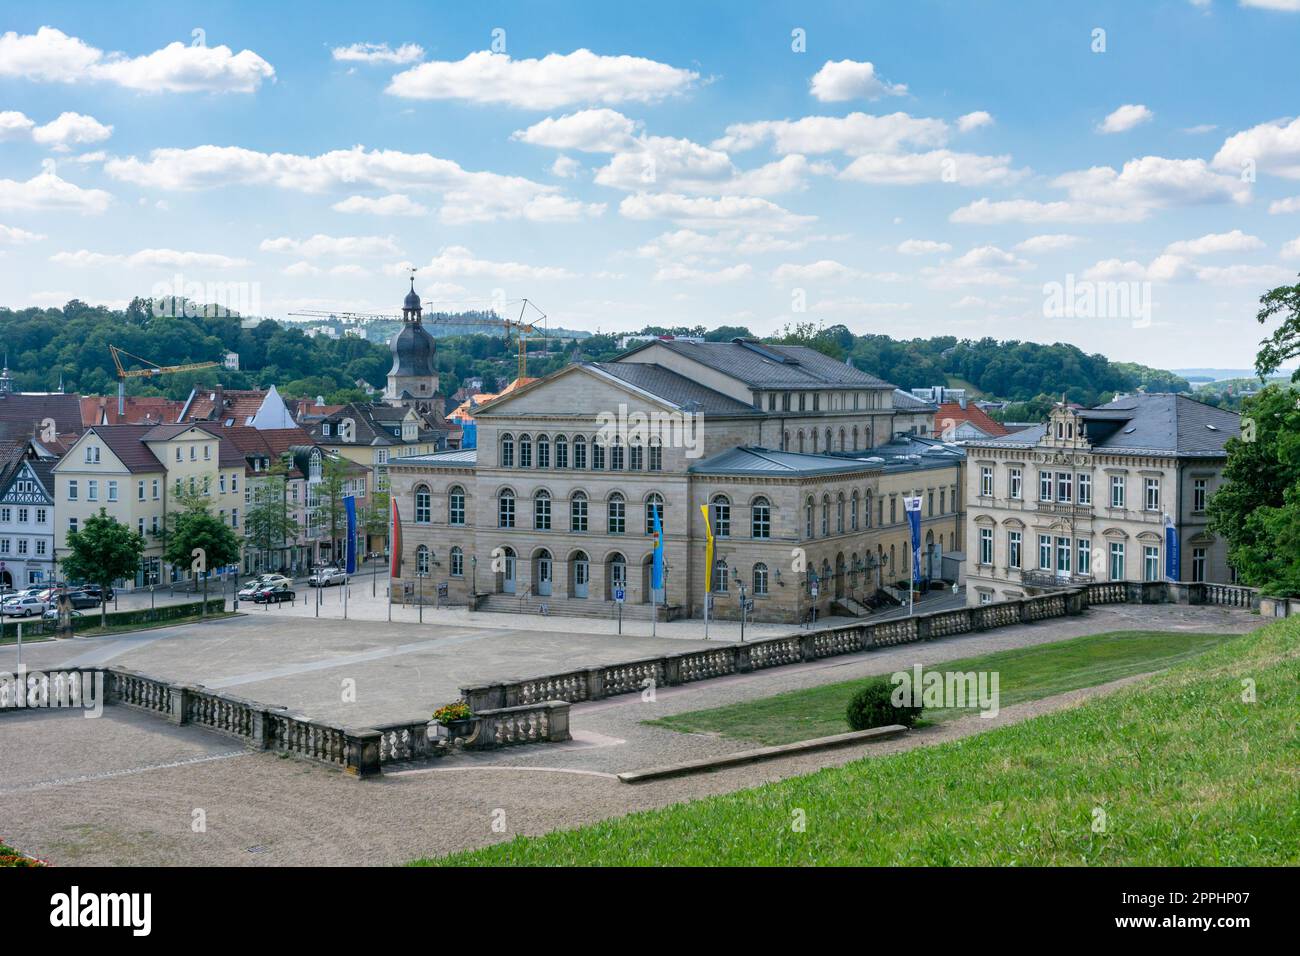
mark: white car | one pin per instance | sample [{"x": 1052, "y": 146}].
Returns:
[
  {"x": 324, "y": 577},
  {"x": 24, "y": 606},
  {"x": 261, "y": 583}
]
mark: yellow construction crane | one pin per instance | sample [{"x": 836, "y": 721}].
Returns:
[
  {"x": 518, "y": 327},
  {"x": 154, "y": 368}
]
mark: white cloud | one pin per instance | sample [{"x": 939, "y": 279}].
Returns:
[
  {"x": 394, "y": 204},
  {"x": 987, "y": 257},
  {"x": 854, "y": 134},
  {"x": 15, "y": 125},
  {"x": 458, "y": 262},
  {"x": 166, "y": 258},
  {"x": 467, "y": 196},
  {"x": 71, "y": 129},
  {"x": 1164, "y": 268},
  {"x": 378, "y": 53},
  {"x": 1254, "y": 275},
  {"x": 691, "y": 247},
  {"x": 975, "y": 120},
  {"x": 1046, "y": 243},
  {"x": 592, "y": 131},
  {"x": 1273, "y": 147},
  {"x": 13, "y": 236},
  {"x": 1125, "y": 118},
  {"x": 680, "y": 273},
  {"x": 320, "y": 246},
  {"x": 987, "y": 212},
  {"x": 734, "y": 212},
  {"x": 1213, "y": 243},
  {"x": 1284, "y": 6},
  {"x": 819, "y": 271},
  {"x": 936, "y": 166},
  {"x": 842, "y": 80},
  {"x": 1290, "y": 204},
  {"x": 922, "y": 247},
  {"x": 1290, "y": 250},
  {"x": 46, "y": 192},
  {"x": 51, "y": 55},
  {"x": 1200, "y": 128},
  {"x": 555, "y": 80},
  {"x": 566, "y": 167},
  {"x": 300, "y": 269},
  {"x": 853, "y": 304}
]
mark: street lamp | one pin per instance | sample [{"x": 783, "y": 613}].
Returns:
[
  {"x": 473, "y": 566},
  {"x": 744, "y": 605}
]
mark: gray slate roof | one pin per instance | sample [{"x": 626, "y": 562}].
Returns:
[
  {"x": 674, "y": 388},
  {"x": 1163, "y": 423},
  {"x": 907, "y": 402},
  {"x": 771, "y": 366},
  {"x": 750, "y": 460},
  {"x": 466, "y": 457}
]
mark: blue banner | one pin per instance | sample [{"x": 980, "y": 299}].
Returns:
[
  {"x": 913, "y": 508},
  {"x": 657, "y": 569},
  {"x": 469, "y": 435},
  {"x": 1173, "y": 565},
  {"x": 350, "y": 506}
]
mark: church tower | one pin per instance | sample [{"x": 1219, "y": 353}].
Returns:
[{"x": 413, "y": 379}]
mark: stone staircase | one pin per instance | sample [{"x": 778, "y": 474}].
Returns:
[
  {"x": 849, "y": 607},
  {"x": 570, "y": 607}
]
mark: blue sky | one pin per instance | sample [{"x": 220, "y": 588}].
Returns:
[{"x": 915, "y": 169}]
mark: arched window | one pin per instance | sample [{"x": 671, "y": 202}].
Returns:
[
  {"x": 422, "y": 560},
  {"x": 720, "y": 507},
  {"x": 760, "y": 519},
  {"x": 456, "y": 505},
  {"x": 506, "y": 509},
  {"x": 866, "y": 511},
  {"x": 507, "y": 450},
  {"x": 720, "y": 576},
  {"x": 457, "y": 563},
  {"x": 785, "y": 441},
  {"x": 423, "y": 509},
  {"x": 855, "y": 427},
  {"x": 828, "y": 441},
  {"x": 801, "y": 441},
  {"x": 578, "y": 511},
  {"x": 656, "y": 455},
  {"x": 616, "y": 514},
  {"x": 561, "y": 452},
  {"x": 839, "y": 513},
  {"x": 853, "y": 512},
  {"x": 543, "y": 452},
  {"x": 542, "y": 511},
  {"x": 579, "y": 452},
  {"x": 654, "y": 504},
  {"x": 760, "y": 579},
  {"x": 808, "y": 518},
  {"x": 617, "y": 571},
  {"x": 842, "y": 440},
  {"x": 826, "y": 515},
  {"x": 525, "y": 452},
  {"x": 814, "y": 441}
]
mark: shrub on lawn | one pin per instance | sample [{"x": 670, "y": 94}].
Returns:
[{"x": 872, "y": 707}]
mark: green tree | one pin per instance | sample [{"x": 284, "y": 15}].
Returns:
[
  {"x": 1284, "y": 343},
  {"x": 101, "y": 552},
  {"x": 377, "y": 517},
  {"x": 196, "y": 529},
  {"x": 330, "y": 492},
  {"x": 268, "y": 524}
]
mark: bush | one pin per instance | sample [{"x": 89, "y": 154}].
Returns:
[{"x": 872, "y": 707}]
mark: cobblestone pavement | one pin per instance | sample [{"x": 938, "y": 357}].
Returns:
[{"x": 125, "y": 789}]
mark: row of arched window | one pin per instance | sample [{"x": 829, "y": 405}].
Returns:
[
  {"x": 543, "y": 451},
  {"x": 813, "y": 441},
  {"x": 849, "y": 514}
]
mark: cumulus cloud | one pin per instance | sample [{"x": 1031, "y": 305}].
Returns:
[
  {"x": 936, "y": 166},
  {"x": 555, "y": 80},
  {"x": 46, "y": 192},
  {"x": 1290, "y": 250},
  {"x": 166, "y": 258},
  {"x": 566, "y": 167},
  {"x": 854, "y": 134},
  {"x": 1272, "y": 147},
  {"x": 728, "y": 212},
  {"x": 1046, "y": 243},
  {"x": 1235, "y": 241},
  {"x": 15, "y": 125},
  {"x": 975, "y": 120},
  {"x": 394, "y": 204},
  {"x": 682, "y": 273},
  {"x": 1289, "y": 204},
  {"x": 71, "y": 129},
  {"x": 842, "y": 80},
  {"x": 50, "y": 55},
  {"x": 820, "y": 271},
  {"x": 922, "y": 247},
  {"x": 378, "y": 53},
  {"x": 320, "y": 245},
  {"x": 453, "y": 262},
  {"x": 591, "y": 131},
  {"x": 13, "y": 236},
  {"x": 1125, "y": 118},
  {"x": 467, "y": 196}
]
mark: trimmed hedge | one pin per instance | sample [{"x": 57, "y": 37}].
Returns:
[
  {"x": 90, "y": 617},
  {"x": 872, "y": 706}
]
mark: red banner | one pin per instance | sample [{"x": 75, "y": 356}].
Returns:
[{"x": 395, "y": 542}]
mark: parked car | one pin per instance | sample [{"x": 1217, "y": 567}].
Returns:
[
  {"x": 53, "y": 614},
  {"x": 324, "y": 577},
  {"x": 83, "y": 599},
  {"x": 248, "y": 590},
  {"x": 24, "y": 606},
  {"x": 97, "y": 591},
  {"x": 277, "y": 594}
]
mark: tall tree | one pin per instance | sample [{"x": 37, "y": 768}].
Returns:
[
  {"x": 331, "y": 513},
  {"x": 101, "y": 552},
  {"x": 197, "y": 534},
  {"x": 1284, "y": 343},
  {"x": 268, "y": 523}
]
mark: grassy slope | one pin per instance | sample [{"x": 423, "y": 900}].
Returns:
[
  {"x": 1026, "y": 673},
  {"x": 1187, "y": 773}
]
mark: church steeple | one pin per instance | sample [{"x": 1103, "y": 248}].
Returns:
[
  {"x": 413, "y": 379},
  {"x": 6, "y": 381},
  {"x": 411, "y": 310}
]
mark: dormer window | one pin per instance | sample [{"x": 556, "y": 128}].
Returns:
[{"x": 325, "y": 428}]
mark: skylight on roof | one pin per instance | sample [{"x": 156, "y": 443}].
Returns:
[
  {"x": 1213, "y": 428},
  {"x": 1130, "y": 430}
]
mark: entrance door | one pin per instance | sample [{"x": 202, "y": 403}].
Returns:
[
  {"x": 508, "y": 574},
  {"x": 544, "y": 574},
  {"x": 581, "y": 575}
]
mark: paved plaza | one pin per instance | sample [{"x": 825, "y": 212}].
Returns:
[{"x": 124, "y": 788}]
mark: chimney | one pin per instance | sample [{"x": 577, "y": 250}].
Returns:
[{"x": 962, "y": 402}]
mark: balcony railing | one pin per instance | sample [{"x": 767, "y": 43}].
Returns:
[
  {"x": 1049, "y": 579},
  {"x": 1065, "y": 508}
]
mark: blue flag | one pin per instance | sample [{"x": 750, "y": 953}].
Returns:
[
  {"x": 1172, "y": 558},
  {"x": 350, "y": 506},
  {"x": 913, "y": 508},
  {"x": 657, "y": 570}
]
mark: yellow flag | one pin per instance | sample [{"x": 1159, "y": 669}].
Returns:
[{"x": 708, "y": 551}]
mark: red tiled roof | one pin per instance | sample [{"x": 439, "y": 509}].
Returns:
[
  {"x": 951, "y": 414},
  {"x": 137, "y": 410}
]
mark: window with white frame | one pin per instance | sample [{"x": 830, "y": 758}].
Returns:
[
  {"x": 1044, "y": 486},
  {"x": 578, "y": 511},
  {"x": 1063, "y": 555},
  {"x": 616, "y": 515},
  {"x": 1085, "y": 488},
  {"x": 506, "y": 509},
  {"x": 1152, "y": 496},
  {"x": 1199, "y": 486},
  {"x": 456, "y": 505},
  {"x": 1045, "y": 552},
  {"x": 1014, "y": 544},
  {"x": 1083, "y": 547},
  {"x": 1117, "y": 489},
  {"x": 1117, "y": 560},
  {"x": 457, "y": 563},
  {"x": 1151, "y": 563},
  {"x": 1017, "y": 484},
  {"x": 986, "y": 481},
  {"x": 1198, "y": 565},
  {"x": 986, "y": 546},
  {"x": 1065, "y": 486}
]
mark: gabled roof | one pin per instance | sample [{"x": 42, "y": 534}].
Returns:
[
  {"x": 759, "y": 365},
  {"x": 1161, "y": 423},
  {"x": 29, "y": 409},
  {"x": 674, "y": 388},
  {"x": 136, "y": 410},
  {"x": 127, "y": 443},
  {"x": 952, "y": 412},
  {"x": 271, "y": 443}
]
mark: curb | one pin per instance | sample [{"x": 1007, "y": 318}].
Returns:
[{"x": 708, "y": 764}]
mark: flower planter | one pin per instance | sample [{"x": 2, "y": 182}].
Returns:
[{"x": 463, "y": 727}]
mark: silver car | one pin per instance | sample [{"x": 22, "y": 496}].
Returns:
[
  {"x": 24, "y": 606},
  {"x": 324, "y": 577}
]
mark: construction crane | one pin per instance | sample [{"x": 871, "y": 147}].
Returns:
[
  {"x": 518, "y": 327},
  {"x": 154, "y": 369}
]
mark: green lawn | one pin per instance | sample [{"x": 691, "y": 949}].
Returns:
[
  {"x": 1026, "y": 673},
  {"x": 1186, "y": 772}
]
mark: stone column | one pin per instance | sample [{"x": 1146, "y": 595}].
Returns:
[{"x": 362, "y": 758}]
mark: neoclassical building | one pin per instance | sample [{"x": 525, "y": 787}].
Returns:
[
  {"x": 1087, "y": 497},
  {"x": 803, "y": 462}
]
